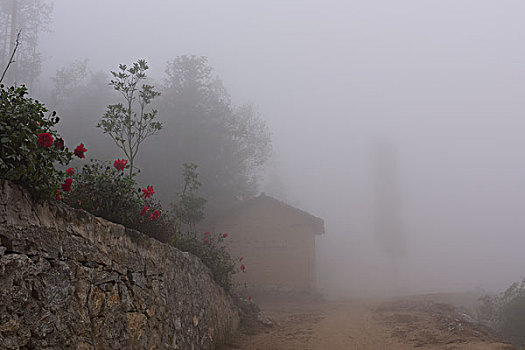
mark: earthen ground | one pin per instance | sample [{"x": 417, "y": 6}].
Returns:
[{"x": 422, "y": 322}]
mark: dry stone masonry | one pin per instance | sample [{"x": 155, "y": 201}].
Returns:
[{"x": 69, "y": 280}]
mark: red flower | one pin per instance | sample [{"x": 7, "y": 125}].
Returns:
[
  {"x": 148, "y": 192},
  {"x": 79, "y": 151},
  {"x": 59, "y": 143},
  {"x": 241, "y": 258},
  {"x": 144, "y": 210},
  {"x": 249, "y": 297},
  {"x": 224, "y": 235},
  {"x": 58, "y": 195},
  {"x": 207, "y": 233},
  {"x": 206, "y": 240},
  {"x": 45, "y": 139},
  {"x": 243, "y": 268},
  {"x": 66, "y": 186},
  {"x": 154, "y": 216},
  {"x": 120, "y": 164},
  {"x": 70, "y": 172}
]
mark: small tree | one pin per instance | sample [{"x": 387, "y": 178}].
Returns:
[
  {"x": 128, "y": 124},
  {"x": 189, "y": 208},
  {"x": 67, "y": 79}
]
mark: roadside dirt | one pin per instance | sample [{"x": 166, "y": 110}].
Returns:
[{"x": 427, "y": 323}]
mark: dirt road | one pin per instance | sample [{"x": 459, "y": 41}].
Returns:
[{"x": 414, "y": 323}]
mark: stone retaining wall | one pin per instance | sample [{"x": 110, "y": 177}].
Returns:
[{"x": 72, "y": 280}]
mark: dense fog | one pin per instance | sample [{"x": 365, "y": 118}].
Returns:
[{"x": 400, "y": 123}]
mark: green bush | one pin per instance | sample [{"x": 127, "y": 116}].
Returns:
[
  {"x": 213, "y": 253},
  {"x": 506, "y": 313},
  {"x": 105, "y": 191},
  {"x": 29, "y": 147},
  {"x": 512, "y": 314}
]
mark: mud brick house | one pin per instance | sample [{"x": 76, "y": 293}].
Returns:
[{"x": 277, "y": 242}]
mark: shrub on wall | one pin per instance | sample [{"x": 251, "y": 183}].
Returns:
[
  {"x": 212, "y": 251},
  {"x": 104, "y": 190},
  {"x": 29, "y": 146}
]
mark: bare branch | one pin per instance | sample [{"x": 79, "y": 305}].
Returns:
[{"x": 11, "y": 59}]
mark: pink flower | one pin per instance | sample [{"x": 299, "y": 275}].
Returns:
[
  {"x": 144, "y": 210},
  {"x": 207, "y": 233},
  {"x": 120, "y": 164},
  {"x": 80, "y": 150},
  {"x": 241, "y": 258},
  {"x": 70, "y": 172},
  {"x": 206, "y": 240},
  {"x": 147, "y": 192},
  {"x": 243, "y": 268},
  {"x": 154, "y": 216},
  {"x": 45, "y": 139},
  {"x": 224, "y": 235},
  {"x": 66, "y": 186}
]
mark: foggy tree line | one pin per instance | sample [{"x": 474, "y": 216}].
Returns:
[{"x": 230, "y": 144}]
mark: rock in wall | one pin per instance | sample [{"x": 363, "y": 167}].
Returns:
[{"x": 69, "y": 280}]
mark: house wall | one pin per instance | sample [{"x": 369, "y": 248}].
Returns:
[{"x": 277, "y": 243}]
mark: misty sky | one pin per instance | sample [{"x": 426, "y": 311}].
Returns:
[{"x": 443, "y": 81}]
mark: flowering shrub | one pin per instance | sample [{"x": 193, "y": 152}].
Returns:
[
  {"x": 107, "y": 192},
  {"x": 213, "y": 253},
  {"x": 29, "y": 147}
]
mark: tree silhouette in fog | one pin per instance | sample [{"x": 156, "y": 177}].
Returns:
[
  {"x": 389, "y": 229},
  {"x": 230, "y": 144}
]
